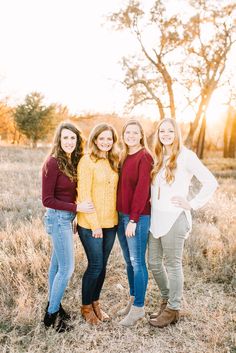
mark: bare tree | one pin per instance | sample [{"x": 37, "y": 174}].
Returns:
[
  {"x": 214, "y": 29},
  {"x": 188, "y": 55}
]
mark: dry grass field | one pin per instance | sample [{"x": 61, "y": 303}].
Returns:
[{"x": 208, "y": 322}]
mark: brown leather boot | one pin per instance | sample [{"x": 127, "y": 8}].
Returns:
[
  {"x": 99, "y": 312},
  {"x": 162, "y": 307},
  {"x": 89, "y": 315},
  {"x": 167, "y": 317}
]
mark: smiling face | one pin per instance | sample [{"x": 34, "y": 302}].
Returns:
[
  {"x": 68, "y": 141},
  {"x": 132, "y": 136},
  {"x": 104, "y": 141},
  {"x": 166, "y": 133}
]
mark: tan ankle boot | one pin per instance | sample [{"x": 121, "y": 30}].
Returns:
[
  {"x": 133, "y": 316},
  {"x": 89, "y": 315},
  {"x": 126, "y": 310},
  {"x": 167, "y": 317},
  {"x": 99, "y": 312},
  {"x": 162, "y": 307}
]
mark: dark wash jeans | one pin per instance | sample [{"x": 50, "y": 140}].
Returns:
[
  {"x": 97, "y": 251},
  {"x": 134, "y": 250}
]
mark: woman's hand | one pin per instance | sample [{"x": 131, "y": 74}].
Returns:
[
  {"x": 180, "y": 201},
  {"x": 85, "y": 207},
  {"x": 130, "y": 229},
  {"x": 97, "y": 233},
  {"x": 74, "y": 226}
]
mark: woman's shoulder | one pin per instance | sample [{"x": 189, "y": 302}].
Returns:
[
  {"x": 188, "y": 152},
  {"x": 51, "y": 161},
  {"x": 146, "y": 154},
  {"x": 50, "y": 166},
  {"x": 86, "y": 160},
  {"x": 187, "y": 156}
]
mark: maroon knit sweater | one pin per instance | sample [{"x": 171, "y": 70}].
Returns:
[
  {"x": 133, "y": 196},
  {"x": 58, "y": 191}
]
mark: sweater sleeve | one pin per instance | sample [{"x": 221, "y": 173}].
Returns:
[
  {"x": 49, "y": 181},
  {"x": 206, "y": 178},
  {"x": 142, "y": 190},
  {"x": 84, "y": 189}
]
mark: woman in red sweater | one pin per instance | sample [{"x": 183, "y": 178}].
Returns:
[
  {"x": 133, "y": 204},
  {"x": 59, "y": 180}
]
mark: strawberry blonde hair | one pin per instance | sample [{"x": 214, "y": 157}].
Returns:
[{"x": 159, "y": 152}]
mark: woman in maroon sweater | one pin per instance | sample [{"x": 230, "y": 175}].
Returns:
[
  {"x": 133, "y": 204},
  {"x": 59, "y": 180}
]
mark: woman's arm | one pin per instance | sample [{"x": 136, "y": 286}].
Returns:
[
  {"x": 206, "y": 178},
  {"x": 142, "y": 189}
]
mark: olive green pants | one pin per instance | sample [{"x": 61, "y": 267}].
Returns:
[{"x": 165, "y": 261}]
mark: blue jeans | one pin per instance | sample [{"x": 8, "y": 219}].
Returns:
[
  {"x": 58, "y": 225},
  {"x": 134, "y": 250},
  {"x": 97, "y": 251}
]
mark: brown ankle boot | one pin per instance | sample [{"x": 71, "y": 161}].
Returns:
[
  {"x": 99, "y": 312},
  {"x": 167, "y": 317},
  {"x": 89, "y": 315},
  {"x": 162, "y": 307}
]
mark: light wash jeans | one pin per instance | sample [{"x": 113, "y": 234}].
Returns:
[
  {"x": 169, "y": 247},
  {"x": 58, "y": 225},
  {"x": 134, "y": 250}
]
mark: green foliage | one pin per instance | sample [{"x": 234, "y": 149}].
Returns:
[{"x": 34, "y": 119}]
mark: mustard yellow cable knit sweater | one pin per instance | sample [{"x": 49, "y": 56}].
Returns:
[{"x": 97, "y": 182}]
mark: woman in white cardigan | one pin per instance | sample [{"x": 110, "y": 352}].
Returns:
[{"x": 171, "y": 221}]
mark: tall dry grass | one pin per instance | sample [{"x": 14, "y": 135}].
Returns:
[{"x": 209, "y": 320}]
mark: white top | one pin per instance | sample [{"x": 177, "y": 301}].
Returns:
[{"x": 163, "y": 212}]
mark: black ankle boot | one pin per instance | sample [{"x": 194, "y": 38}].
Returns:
[
  {"x": 62, "y": 313},
  {"x": 56, "y": 322},
  {"x": 50, "y": 319}
]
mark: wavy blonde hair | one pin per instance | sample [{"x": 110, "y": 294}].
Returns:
[
  {"x": 95, "y": 153},
  {"x": 69, "y": 168},
  {"x": 159, "y": 152},
  {"x": 143, "y": 141}
]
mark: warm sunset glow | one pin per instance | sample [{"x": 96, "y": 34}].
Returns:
[
  {"x": 217, "y": 108},
  {"x": 63, "y": 50}
]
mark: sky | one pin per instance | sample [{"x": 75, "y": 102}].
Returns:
[{"x": 60, "y": 49}]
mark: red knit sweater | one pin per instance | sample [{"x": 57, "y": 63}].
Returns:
[
  {"x": 58, "y": 191},
  {"x": 134, "y": 185}
]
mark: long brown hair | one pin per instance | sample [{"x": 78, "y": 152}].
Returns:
[
  {"x": 159, "y": 152},
  {"x": 95, "y": 153},
  {"x": 67, "y": 167},
  {"x": 143, "y": 141}
]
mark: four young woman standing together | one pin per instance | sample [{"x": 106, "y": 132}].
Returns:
[{"x": 148, "y": 196}]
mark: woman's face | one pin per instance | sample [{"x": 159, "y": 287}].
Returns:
[
  {"x": 68, "y": 141},
  {"x": 132, "y": 135},
  {"x": 166, "y": 133},
  {"x": 104, "y": 141}
]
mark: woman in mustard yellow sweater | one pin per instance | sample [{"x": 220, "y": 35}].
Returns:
[{"x": 97, "y": 182}]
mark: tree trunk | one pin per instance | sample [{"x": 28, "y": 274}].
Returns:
[
  {"x": 232, "y": 141},
  {"x": 226, "y": 135},
  {"x": 201, "y": 139}
]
